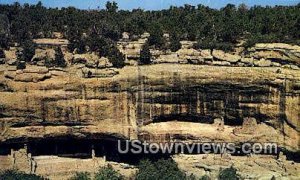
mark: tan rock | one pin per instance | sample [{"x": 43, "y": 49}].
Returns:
[
  {"x": 168, "y": 58},
  {"x": 10, "y": 54},
  {"x": 43, "y": 55},
  {"x": 36, "y": 69},
  {"x": 263, "y": 63},
  {"x": 12, "y": 62},
  {"x": 206, "y": 54},
  {"x": 221, "y": 63},
  {"x": 249, "y": 61},
  {"x": 31, "y": 77},
  {"x": 104, "y": 63},
  {"x": 280, "y": 51},
  {"x": 275, "y": 64},
  {"x": 222, "y": 56}
]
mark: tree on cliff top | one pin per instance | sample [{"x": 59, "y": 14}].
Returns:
[
  {"x": 145, "y": 54},
  {"x": 28, "y": 50},
  {"x": 175, "y": 44},
  {"x": 59, "y": 58}
]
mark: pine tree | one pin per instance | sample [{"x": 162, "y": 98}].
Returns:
[
  {"x": 175, "y": 44},
  {"x": 59, "y": 58},
  {"x": 28, "y": 51},
  {"x": 145, "y": 54}
]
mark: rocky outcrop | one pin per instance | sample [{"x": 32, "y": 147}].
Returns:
[
  {"x": 153, "y": 94},
  {"x": 251, "y": 167},
  {"x": 283, "y": 53},
  {"x": 43, "y": 56},
  {"x": 261, "y": 55},
  {"x": 222, "y": 56},
  {"x": 30, "y": 74},
  {"x": 91, "y": 61},
  {"x": 131, "y": 49}
]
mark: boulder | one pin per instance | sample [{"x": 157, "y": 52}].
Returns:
[
  {"x": 190, "y": 56},
  {"x": 91, "y": 60},
  {"x": 187, "y": 44},
  {"x": 43, "y": 55},
  {"x": 125, "y": 36},
  {"x": 104, "y": 63},
  {"x": 206, "y": 54},
  {"x": 295, "y": 67},
  {"x": 248, "y": 61},
  {"x": 10, "y": 54},
  {"x": 145, "y": 35},
  {"x": 12, "y": 62},
  {"x": 263, "y": 63},
  {"x": 275, "y": 64},
  {"x": 222, "y": 56}
]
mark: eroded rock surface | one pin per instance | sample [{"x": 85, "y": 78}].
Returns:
[{"x": 162, "y": 102}]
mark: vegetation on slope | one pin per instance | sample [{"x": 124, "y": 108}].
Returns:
[{"x": 200, "y": 23}]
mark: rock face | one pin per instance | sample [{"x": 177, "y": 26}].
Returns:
[
  {"x": 43, "y": 55},
  {"x": 261, "y": 55},
  {"x": 30, "y": 74},
  {"x": 283, "y": 53},
  {"x": 150, "y": 95},
  {"x": 91, "y": 61},
  {"x": 76, "y": 115},
  {"x": 222, "y": 56}
]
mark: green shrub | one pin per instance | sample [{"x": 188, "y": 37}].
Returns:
[
  {"x": 21, "y": 65},
  {"x": 162, "y": 169},
  {"x": 228, "y": 174},
  {"x": 81, "y": 176},
  {"x": 16, "y": 175},
  {"x": 116, "y": 57},
  {"x": 108, "y": 173},
  {"x": 213, "y": 44},
  {"x": 205, "y": 177}
]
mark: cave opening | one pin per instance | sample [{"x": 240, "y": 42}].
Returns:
[
  {"x": 68, "y": 147},
  {"x": 184, "y": 117},
  {"x": 204, "y": 104}
]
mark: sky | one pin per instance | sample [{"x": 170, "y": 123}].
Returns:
[{"x": 150, "y": 4}]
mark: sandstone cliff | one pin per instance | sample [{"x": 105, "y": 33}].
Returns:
[{"x": 230, "y": 98}]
